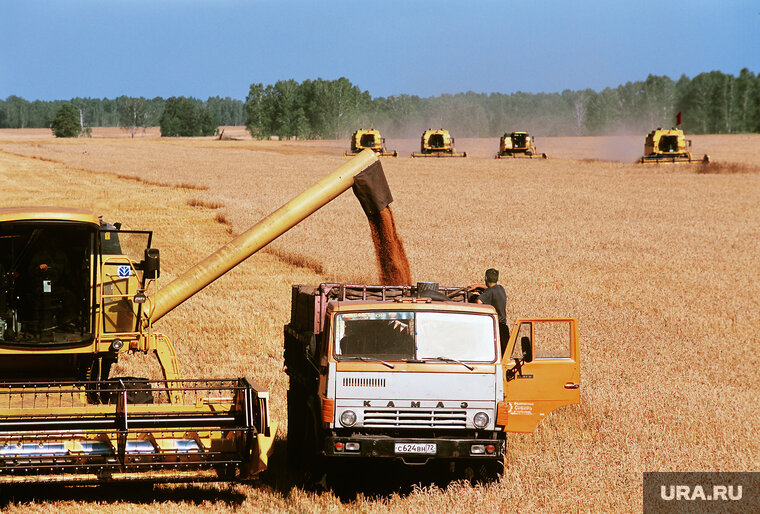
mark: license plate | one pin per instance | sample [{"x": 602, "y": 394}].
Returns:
[{"x": 429, "y": 448}]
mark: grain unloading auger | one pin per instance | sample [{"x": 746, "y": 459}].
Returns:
[{"x": 75, "y": 294}]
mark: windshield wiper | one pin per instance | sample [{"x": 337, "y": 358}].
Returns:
[
  {"x": 369, "y": 359},
  {"x": 449, "y": 359}
]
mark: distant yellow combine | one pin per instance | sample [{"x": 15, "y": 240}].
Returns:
[
  {"x": 668, "y": 146},
  {"x": 369, "y": 138},
  {"x": 518, "y": 144},
  {"x": 437, "y": 143}
]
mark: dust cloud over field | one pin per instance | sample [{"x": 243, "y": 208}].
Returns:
[{"x": 658, "y": 263}]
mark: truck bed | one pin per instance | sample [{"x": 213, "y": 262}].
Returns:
[{"x": 308, "y": 303}]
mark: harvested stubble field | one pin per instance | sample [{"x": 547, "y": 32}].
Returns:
[{"x": 660, "y": 264}]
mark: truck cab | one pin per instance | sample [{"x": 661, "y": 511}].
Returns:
[{"x": 389, "y": 372}]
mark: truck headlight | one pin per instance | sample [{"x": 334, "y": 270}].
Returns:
[
  {"x": 480, "y": 420},
  {"x": 348, "y": 418}
]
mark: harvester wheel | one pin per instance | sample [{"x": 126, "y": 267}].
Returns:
[
  {"x": 142, "y": 396},
  {"x": 226, "y": 472}
]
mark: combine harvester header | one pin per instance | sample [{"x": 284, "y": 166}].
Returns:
[{"x": 75, "y": 294}]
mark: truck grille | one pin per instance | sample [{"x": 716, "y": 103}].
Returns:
[
  {"x": 363, "y": 382},
  {"x": 401, "y": 418}
]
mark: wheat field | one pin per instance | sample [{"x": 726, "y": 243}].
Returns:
[{"x": 660, "y": 264}]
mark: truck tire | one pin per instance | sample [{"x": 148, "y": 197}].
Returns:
[
  {"x": 313, "y": 463},
  {"x": 485, "y": 471},
  {"x": 296, "y": 425}
]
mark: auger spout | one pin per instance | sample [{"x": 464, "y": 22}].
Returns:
[{"x": 371, "y": 189}]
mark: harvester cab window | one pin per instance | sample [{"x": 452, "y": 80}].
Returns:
[
  {"x": 436, "y": 141},
  {"x": 121, "y": 278},
  {"x": 518, "y": 140},
  {"x": 367, "y": 140},
  {"x": 109, "y": 240},
  {"x": 45, "y": 274},
  {"x": 668, "y": 144}
]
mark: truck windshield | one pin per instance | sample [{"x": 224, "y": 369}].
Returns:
[
  {"x": 465, "y": 337},
  {"x": 409, "y": 335}
]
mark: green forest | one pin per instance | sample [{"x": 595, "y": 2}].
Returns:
[{"x": 710, "y": 103}]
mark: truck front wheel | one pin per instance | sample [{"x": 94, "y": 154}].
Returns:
[
  {"x": 313, "y": 465},
  {"x": 484, "y": 471}
]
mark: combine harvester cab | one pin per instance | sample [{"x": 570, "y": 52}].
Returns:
[
  {"x": 518, "y": 144},
  {"x": 75, "y": 294},
  {"x": 668, "y": 146},
  {"x": 371, "y": 139},
  {"x": 437, "y": 143}
]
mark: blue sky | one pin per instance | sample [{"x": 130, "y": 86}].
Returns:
[{"x": 63, "y": 49}]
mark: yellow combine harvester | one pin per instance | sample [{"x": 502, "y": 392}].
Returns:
[
  {"x": 437, "y": 143},
  {"x": 668, "y": 146},
  {"x": 363, "y": 139},
  {"x": 518, "y": 144},
  {"x": 75, "y": 295}
]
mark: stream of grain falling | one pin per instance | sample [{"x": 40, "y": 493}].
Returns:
[{"x": 391, "y": 256}]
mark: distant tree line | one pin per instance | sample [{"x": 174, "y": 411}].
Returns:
[
  {"x": 313, "y": 109},
  {"x": 124, "y": 111},
  {"x": 712, "y": 102}
]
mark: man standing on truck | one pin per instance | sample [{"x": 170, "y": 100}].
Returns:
[{"x": 496, "y": 296}]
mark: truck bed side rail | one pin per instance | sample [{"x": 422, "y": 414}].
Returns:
[{"x": 308, "y": 303}]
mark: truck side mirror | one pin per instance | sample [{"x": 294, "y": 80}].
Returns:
[
  {"x": 527, "y": 349},
  {"x": 152, "y": 263}
]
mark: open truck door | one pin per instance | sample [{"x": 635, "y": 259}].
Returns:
[{"x": 542, "y": 370}]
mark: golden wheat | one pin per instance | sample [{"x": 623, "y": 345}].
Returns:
[{"x": 660, "y": 264}]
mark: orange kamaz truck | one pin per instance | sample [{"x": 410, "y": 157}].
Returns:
[{"x": 414, "y": 374}]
